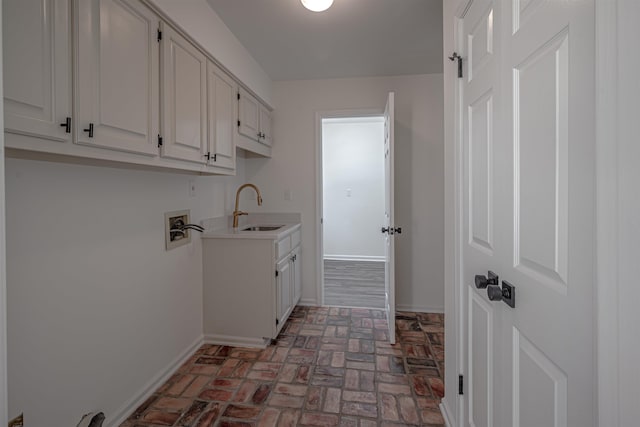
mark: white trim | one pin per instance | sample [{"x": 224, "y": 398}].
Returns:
[
  {"x": 235, "y": 341},
  {"x": 354, "y": 258},
  {"x": 149, "y": 388},
  {"x": 308, "y": 302},
  {"x": 4, "y": 415},
  {"x": 328, "y": 114},
  {"x": 419, "y": 308},
  {"x": 607, "y": 205},
  {"x": 446, "y": 413}
]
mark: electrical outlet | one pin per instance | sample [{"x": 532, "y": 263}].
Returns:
[
  {"x": 192, "y": 188},
  {"x": 174, "y": 234},
  {"x": 17, "y": 421}
]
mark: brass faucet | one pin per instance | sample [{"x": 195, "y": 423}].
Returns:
[{"x": 236, "y": 212}]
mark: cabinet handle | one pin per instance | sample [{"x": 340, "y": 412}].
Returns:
[
  {"x": 66, "y": 125},
  {"x": 208, "y": 156},
  {"x": 90, "y": 130}
]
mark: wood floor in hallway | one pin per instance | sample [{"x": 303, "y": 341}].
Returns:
[{"x": 354, "y": 283}]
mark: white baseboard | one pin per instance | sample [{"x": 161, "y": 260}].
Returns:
[
  {"x": 354, "y": 258},
  {"x": 309, "y": 302},
  {"x": 160, "y": 378},
  {"x": 446, "y": 414},
  {"x": 234, "y": 341},
  {"x": 419, "y": 308}
]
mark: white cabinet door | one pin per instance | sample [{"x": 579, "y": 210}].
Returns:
[
  {"x": 265, "y": 126},
  {"x": 283, "y": 291},
  {"x": 184, "y": 99},
  {"x": 221, "y": 97},
  {"x": 248, "y": 115},
  {"x": 117, "y": 76},
  {"x": 296, "y": 277},
  {"x": 37, "y": 68}
]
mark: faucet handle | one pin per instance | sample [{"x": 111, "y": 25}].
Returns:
[{"x": 242, "y": 213}]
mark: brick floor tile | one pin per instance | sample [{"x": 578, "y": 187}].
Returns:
[
  {"x": 394, "y": 389},
  {"x": 245, "y": 392},
  {"x": 242, "y": 412},
  {"x": 286, "y": 401},
  {"x": 352, "y": 379},
  {"x": 289, "y": 418},
  {"x": 314, "y": 399},
  {"x": 269, "y": 418},
  {"x": 332, "y": 400},
  {"x": 360, "y": 409},
  {"x": 359, "y": 396},
  {"x": 172, "y": 404},
  {"x": 209, "y": 418},
  {"x": 408, "y": 410},
  {"x": 217, "y": 395},
  {"x": 161, "y": 418},
  {"x": 192, "y": 414},
  {"x": 337, "y": 361},
  {"x": 388, "y": 407},
  {"x": 196, "y": 386},
  {"x": 261, "y": 394},
  {"x": 319, "y": 420}
]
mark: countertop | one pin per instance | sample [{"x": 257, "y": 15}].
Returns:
[{"x": 220, "y": 228}]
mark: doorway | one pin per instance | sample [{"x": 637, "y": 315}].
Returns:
[{"x": 353, "y": 211}]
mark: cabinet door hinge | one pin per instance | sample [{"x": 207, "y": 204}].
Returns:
[
  {"x": 277, "y": 322},
  {"x": 238, "y": 96},
  {"x": 159, "y": 141},
  {"x": 277, "y": 274},
  {"x": 460, "y": 384},
  {"x": 238, "y": 123},
  {"x": 159, "y": 35}
]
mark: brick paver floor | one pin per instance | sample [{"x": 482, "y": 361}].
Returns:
[{"x": 329, "y": 367}]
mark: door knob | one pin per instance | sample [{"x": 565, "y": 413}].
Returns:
[
  {"x": 506, "y": 293},
  {"x": 483, "y": 281}
]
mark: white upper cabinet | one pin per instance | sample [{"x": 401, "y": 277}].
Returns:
[
  {"x": 221, "y": 97},
  {"x": 248, "y": 115},
  {"x": 265, "y": 126},
  {"x": 184, "y": 99},
  {"x": 37, "y": 68},
  {"x": 117, "y": 75},
  {"x": 254, "y": 119}
]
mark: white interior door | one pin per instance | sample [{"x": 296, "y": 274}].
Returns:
[
  {"x": 389, "y": 279},
  {"x": 528, "y": 191}
]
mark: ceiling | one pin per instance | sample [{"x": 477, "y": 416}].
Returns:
[{"x": 353, "y": 38}]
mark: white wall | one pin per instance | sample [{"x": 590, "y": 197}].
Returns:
[
  {"x": 98, "y": 308},
  {"x": 204, "y": 25},
  {"x": 419, "y": 172},
  {"x": 353, "y": 187}
]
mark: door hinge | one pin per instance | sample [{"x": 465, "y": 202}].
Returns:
[
  {"x": 277, "y": 274},
  {"x": 159, "y": 35},
  {"x": 238, "y": 96},
  {"x": 277, "y": 322},
  {"x": 460, "y": 384},
  {"x": 238, "y": 123},
  {"x": 159, "y": 141},
  {"x": 454, "y": 57}
]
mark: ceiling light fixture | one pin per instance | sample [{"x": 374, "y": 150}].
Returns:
[{"x": 317, "y": 5}]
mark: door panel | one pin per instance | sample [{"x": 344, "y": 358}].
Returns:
[
  {"x": 249, "y": 115},
  {"x": 481, "y": 356},
  {"x": 184, "y": 99},
  {"x": 390, "y": 283},
  {"x": 481, "y": 103},
  {"x": 117, "y": 76},
  {"x": 222, "y": 98},
  {"x": 37, "y": 67}
]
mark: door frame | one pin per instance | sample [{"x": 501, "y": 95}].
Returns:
[
  {"x": 320, "y": 115},
  {"x": 606, "y": 285},
  {"x": 4, "y": 415}
]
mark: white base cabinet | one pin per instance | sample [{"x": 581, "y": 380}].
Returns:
[{"x": 250, "y": 288}]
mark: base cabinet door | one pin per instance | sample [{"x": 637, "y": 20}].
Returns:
[
  {"x": 296, "y": 277},
  {"x": 221, "y": 102},
  {"x": 283, "y": 291},
  {"x": 117, "y": 76},
  {"x": 37, "y": 68}
]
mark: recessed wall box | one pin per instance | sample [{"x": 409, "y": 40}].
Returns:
[{"x": 174, "y": 233}]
